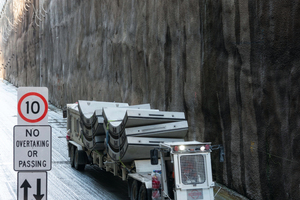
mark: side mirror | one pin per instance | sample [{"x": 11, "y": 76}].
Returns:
[
  {"x": 65, "y": 114},
  {"x": 154, "y": 156},
  {"x": 221, "y": 150},
  {"x": 222, "y": 154}
]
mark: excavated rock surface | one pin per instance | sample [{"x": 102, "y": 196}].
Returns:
[{"x": 232, "y": 66}]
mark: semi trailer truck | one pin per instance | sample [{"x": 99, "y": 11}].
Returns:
[{"x": 143, "y": 146}]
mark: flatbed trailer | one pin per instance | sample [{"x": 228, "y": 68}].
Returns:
[{"x": 155, "y": 165}]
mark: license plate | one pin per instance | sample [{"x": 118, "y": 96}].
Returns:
[{"x": 195, "y": 194}]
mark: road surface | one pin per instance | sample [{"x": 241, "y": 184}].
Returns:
[{"x": 64, "y": 182}]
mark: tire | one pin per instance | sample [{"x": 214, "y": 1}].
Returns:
[
  {"x": 79, "y": 167},
  {"x": 72, "y": 155},
  {"x": 134, "y": 191},
  {"x": 143, "y": 193}
]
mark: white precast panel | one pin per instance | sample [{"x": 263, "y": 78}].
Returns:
[
  {"x": 172, "y": 129},
  {"x": 88, "y": 108},
  {"x": 138, "y": 148}
]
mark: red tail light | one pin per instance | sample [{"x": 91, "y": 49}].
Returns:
[
  {"x": 176, "y": 148},
  {"x": 207, "y": 147}
]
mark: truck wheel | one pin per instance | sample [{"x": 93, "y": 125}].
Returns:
[
  {"x": 134, "y": 190},
  {"x": 77, "y": 166},
  {"x": 143, "y": 193},
  {"x": 72, "y": 155}
]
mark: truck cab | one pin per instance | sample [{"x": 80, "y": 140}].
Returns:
[{"x": 186, "y": 170}]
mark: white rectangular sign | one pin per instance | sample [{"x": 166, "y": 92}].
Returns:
[
  {"x": 32, "y": 106},
  {"x": 195, "y": 194},
  {"x": 32, "y": 148},
  {"x": 32, "y": 185}
]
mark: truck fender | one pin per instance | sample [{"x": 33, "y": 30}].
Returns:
[
  {"x": 82, "y": 157},
  {"x": 78, "y": 146}
]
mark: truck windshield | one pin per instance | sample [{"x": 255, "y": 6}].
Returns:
[{"x": 192, "y": 169}]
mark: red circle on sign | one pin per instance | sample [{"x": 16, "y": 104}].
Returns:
[{"x": 32, "y": 120}]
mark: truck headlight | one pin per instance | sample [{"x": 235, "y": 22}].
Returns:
[{"x": 181, "y": 147}]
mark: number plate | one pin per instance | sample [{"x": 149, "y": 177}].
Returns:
[{"x": 194, "y": 194}]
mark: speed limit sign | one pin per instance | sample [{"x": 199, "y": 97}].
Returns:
[{"x": 32, "y": 105}]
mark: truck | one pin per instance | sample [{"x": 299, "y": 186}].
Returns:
[{"x": 143, "y": 146}]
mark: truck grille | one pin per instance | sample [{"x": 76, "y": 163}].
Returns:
[{"x": 192, "y": 169}]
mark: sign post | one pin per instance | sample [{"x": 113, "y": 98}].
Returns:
[{"x": 32, "y": 143}]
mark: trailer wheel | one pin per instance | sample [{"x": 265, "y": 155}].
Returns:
[
  {"x": 143, "y": 193},
  {"x": 77, "y": 166},
  {"x": 134, "y": 190},
  {"x": 72, "y": 155}
]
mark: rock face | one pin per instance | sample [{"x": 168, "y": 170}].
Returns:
[{"x": 232, "y": 66}]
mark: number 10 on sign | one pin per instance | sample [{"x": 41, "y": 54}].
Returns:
[{"x": 37, "y": 107}]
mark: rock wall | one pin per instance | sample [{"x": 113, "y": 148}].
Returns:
[{"x": 232, "y": 66}]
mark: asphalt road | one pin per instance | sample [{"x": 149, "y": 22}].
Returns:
[{"x": 64, "y": 182}]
